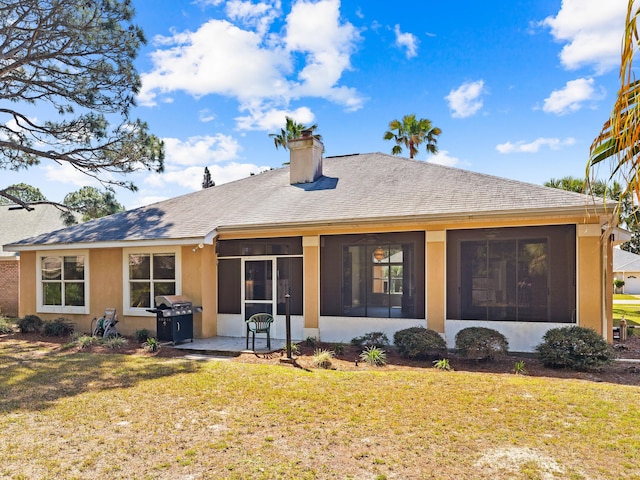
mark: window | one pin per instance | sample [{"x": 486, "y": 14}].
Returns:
[
  {"x": 512, "y": 274},
  {"x": 373, "y": 275},
  {"x": 149, "y": 274},
  {"x": 63, "y": 283}
]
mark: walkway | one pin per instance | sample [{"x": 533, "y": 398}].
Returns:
[{"x": 229, "y": 346}]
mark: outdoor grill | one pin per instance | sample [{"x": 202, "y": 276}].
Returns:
[{"x": 174, "y": 318}]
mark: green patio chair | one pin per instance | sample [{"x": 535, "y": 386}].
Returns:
[{"x": 259, "y": 323}]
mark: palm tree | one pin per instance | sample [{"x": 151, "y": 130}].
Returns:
[
  {"x": 411, "y": 132},
  {"x": 291, "y": 130},
  {"x": 619, "y": 138}
]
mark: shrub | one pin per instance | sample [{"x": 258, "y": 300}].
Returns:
[
  {"x": 60, "y": 327},
  {"x": 371, "y": 339},
  {"x": 519, "y": 368},
  {"x": 151, "y": 344},
  {"x": 30, "y": 324},
  {"x": 574, "y": 347},
  {"x": 338, "y": 348},
  {"x": 311, "y": 341},
  {"x": 481, "y": 343},
  {"x": 322, "y": 358},
  {"x": 374, "y": 356},
  {"x": 6, "y": 326},
  {"x": 142, "y": 335},
  {"x": 419, "y": 343}
]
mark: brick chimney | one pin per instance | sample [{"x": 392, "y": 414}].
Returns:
[{"x": 305, "y": 163}]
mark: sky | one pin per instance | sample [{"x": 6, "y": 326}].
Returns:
[{"x": 520, "y": 89}]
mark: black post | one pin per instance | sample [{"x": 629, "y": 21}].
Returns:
[{"x": 287, "y": 299}]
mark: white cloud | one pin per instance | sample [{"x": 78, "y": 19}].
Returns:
[
  {"x": 465, "y": 100},
  {"x": 408, "y": 41},
  {"x": 260, "y": 118},
  {"x": 205, "y": 115},
  {"x": 200, "y": 150},
  {"x": 572, "y": 97},
  {"x": 65, "y": 173},
  {"x": 591, "y": 31},
  {"x": 254, "y": 65},
  {"x": 443, "y": 158},
  {"x": 535, "y": 146},
  {"x": 191, "y": 177}
]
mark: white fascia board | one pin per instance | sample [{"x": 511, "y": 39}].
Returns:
[{"x": 116, "y": 244}]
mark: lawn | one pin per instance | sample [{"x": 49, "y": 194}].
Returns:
[{"x": 65, "y": 414}]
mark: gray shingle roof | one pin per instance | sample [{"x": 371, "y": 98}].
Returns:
[
  {"x": 354, "y": 188},
  {"x": 624, "y": 261},
  {"x": 17, "y": 223}
]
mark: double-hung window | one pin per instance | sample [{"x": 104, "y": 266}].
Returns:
[
  {"x": 149, "y": 273},
  {"x": 63, "y": 283}
]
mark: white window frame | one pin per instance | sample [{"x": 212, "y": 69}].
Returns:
[
  {"x": 40, "y": 307},
  {"x": 126, "y": 290}
]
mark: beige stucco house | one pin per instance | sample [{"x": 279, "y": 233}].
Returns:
[{"x": 361, "y": 243}]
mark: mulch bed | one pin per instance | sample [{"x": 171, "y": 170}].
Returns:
[{"x": 620, "y": 372}]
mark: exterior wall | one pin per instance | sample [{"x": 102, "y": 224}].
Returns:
[
  {"x": 199, "y": 282},
  {"x": 591, "y": 271},
  {"x": 436, "y": 263},
  {"x": 311, "y": 274},
  {"x": 9, "y": 285}
]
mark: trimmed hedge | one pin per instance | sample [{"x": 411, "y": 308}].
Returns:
[
  {"x": 419, "y": 343},
  {"x": 574, "y": 347},
  {"x": 481, "y": 343}
]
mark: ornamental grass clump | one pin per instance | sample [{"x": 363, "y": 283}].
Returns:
[
  {"x": 576, "y": 348},
  {"x": 419, "y": 343},
  {"x": 481, "y": 343},
  {"x": 322, "y": 358},
  {"x": 374, "y": 356}
]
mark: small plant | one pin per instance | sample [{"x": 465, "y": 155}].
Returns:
[
  {"x": 374, "y": 356},
  {"x": 6, "y": 326},
  {"x": 295, "y": 350},
  {"x": 151, "y": 344},
  {"x": 574, "y": 347},
  {"x": 30, "y": 324},
  {"x": 481, "y": 343},
  {"x": 60, "y": 327},
  {"x": 142, "y": 335},
  {"x": 322, "y": 358},
  {"x": 419, "y": 343},
  {"x": 338, "y": 348},
  {"x": 519, "y": 368},
  {"x": 311, "y": 341},
  {"x": 84, "y": 341},
  {"x": 371, "y": 339},
  {"x": 115, "y": 342},
  {"x": 442, "y": 364}
]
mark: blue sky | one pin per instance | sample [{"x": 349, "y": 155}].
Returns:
[{"x": 519, "y": 88}]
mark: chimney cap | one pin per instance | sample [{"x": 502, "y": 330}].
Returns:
[{"x": 307, "y": 133}]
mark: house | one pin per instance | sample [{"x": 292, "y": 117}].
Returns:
[
  {"x": 626, "y": 267},
  {"x": 360, "y": 243},
  {"x": 15, "y": 224}
]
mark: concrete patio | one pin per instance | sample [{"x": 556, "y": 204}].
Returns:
[{"x": 230, "y": 346}]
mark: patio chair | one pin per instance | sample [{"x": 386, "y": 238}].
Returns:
[{"x": 259, "y": 323}]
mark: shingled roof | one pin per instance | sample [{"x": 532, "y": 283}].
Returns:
[{"x": 360, "y": 188}]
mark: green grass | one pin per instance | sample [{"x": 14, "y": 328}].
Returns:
[
  {"x": 624, "y": 296},
  {"x": 80, "y": 415},
  {"x": 631, "y": 314}
]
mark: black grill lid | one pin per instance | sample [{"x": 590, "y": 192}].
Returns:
[{"x": 169, "y": 301}]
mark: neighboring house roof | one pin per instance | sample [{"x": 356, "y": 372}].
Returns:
[
  {"x": 18, "y": 223},
  {"x": 358, "y": 188},
  {"x": 624, "y": 261}
]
